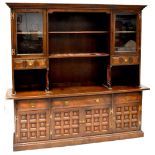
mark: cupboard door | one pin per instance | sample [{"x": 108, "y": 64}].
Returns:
[
  {"x": 127, "y": 112},
  {"x": 29, "y": 32},
  {"x": 65, "y": 123},
  {"x": 32, "y": 125},
  {"x": 96, "y": 120}
]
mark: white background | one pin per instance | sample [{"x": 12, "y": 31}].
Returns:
[{"x": 141, "y": 146}]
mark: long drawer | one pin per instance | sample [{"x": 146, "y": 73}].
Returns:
[
  {"x": 23, "y": 105},
  {"x": 81, "y": 101}
]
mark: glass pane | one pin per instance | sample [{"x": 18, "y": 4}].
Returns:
[
  {"x": 29, "y": 33},
  {"x": 125, "y": 35},
  {"x": 125, "y": 42}
]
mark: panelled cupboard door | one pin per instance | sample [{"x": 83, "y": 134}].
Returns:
[
  {"x": 29, "y": 31},
  {"x": 65, "y": 122},
  {"x": 32, "y": 126},
  {"x": 127, "y": 112},
  {"x": 96, "y": 120},
  {"x": 74, "y": 122}
]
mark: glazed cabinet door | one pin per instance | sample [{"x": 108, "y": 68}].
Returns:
[
  {"x": 29, "y": 31},
  {"x": 127, "y": 112},
  {"x": 125, "y": 32},
  {"x": 126, "y": 38}
]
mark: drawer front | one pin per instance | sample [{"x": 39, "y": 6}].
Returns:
[
  {"x": 81, "y": 101},
  {"x": 30, "y": 64},
  {"x": 23, "y": 105},
  {"x": 127, "y": 98},
  {"x": 125, "y": 60}
]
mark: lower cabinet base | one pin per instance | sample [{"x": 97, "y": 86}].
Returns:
[{"x": 77, "y": 141}]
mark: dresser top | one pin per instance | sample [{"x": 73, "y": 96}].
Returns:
[{"x": 74, "y": 6}]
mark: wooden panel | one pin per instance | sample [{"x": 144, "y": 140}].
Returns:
[
  {"x": 32, "y": 126},
  {"x": 23, "y": 105},
  {"x": 125, "y": 60},
  {"x": 82, "y": 101}
]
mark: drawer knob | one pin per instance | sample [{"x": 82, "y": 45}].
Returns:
[
  {"x": 32, "y": 105},
  {"x": 97, "y": 100},
  {"x": 126, "y": 60},
  {"x": 66, "y": 102},
  {"x": 30, "y": 63}
]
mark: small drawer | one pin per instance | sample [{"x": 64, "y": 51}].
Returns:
[
  {"x": 23, "y": 105},
  {"x": 125, "y": 60},
  {"x": 127, "y": 98},
  {"x": 82, "y": 101},
  {"x": 19, "y": 64}
]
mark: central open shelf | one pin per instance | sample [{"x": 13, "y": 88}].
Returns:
[{"x": 77, "y": 72}]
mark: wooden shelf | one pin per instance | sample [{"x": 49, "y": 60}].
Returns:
[
  {"x": 29, "y": 33},
  {"x": 74, "y": 55},
  {"x": 75, "y": 32},
  {"x": 125, "y": 32}
]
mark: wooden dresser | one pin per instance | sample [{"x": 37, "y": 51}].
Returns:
[{"x": 75, "y": 73}]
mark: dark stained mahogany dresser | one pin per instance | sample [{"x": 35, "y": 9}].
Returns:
[{"x": 75, "y": 73}]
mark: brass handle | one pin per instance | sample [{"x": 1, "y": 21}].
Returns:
[
  {"x": 66, "y": 102},
  {"x": 97, "y": 100}
]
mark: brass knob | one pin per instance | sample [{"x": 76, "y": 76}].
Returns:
[
  {"x": 97, "y": 100},
  {"x": 30, "y": 63},
  {"x": 66, "y": 102},
  {"x": 126, "y": 60}
]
